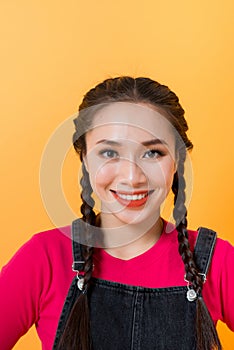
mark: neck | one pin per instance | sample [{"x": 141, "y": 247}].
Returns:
[{"x": 127, "y": 245}]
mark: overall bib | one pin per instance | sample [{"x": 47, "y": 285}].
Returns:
[{"x": 125, "y": 317}]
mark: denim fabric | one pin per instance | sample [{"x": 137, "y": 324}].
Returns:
[
  {"x": 136, "y": 318},
  {"x": 127, "y": 317}
]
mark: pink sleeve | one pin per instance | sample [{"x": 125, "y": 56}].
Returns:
[
  {"x": 21, "y": 281},
  {"x": 227, "y": 286}
]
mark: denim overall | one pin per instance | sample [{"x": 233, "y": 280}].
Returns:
[{"x": 125, "y": 317}]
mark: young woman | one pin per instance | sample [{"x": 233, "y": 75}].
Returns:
[{"x": 138, "y": 281}]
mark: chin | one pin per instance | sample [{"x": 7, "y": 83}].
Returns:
[{"x": 138, "y": 218}]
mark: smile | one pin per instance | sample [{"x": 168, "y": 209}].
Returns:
[{"x": 132, "y": 200}]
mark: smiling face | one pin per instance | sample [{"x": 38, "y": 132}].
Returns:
[{"x": 131, "y": 162}]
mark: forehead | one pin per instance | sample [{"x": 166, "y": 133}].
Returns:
[{"x": 130, "y": 121}]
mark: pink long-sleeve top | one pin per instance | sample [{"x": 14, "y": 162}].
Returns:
[{"x": 34, "y": 284}]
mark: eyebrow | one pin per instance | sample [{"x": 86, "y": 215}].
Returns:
[
  {"x": 154, "y": 142},
  {"x": 144, "y": 143}
]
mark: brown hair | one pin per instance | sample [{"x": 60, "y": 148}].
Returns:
[{"x": 127, "y": 89}]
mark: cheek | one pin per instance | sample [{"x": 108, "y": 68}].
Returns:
[
  {"x": 162, "y": 174},
  {"x": 101, "y": 176}
]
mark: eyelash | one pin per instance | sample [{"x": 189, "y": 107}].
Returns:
[
  {"x": 105, "y": 151},
  {"x": 114, "y": 154},
  {"x": 154, "y": 151}
]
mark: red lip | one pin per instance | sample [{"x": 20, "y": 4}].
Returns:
[{"x": 131, "y": 203}]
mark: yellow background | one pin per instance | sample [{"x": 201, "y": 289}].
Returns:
[{"x": 52, "y": 52}]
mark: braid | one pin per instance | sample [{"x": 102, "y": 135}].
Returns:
[
  {"x": 89, "y": 217},
  {"x": 180, "y": 216},
  {"x": 78, "y": 323},
  {"x": 87, "y": 201},
  {"x": 207, "y": 337}
]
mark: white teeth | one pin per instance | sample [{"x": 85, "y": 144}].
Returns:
[{"x": 133, "y": 197}]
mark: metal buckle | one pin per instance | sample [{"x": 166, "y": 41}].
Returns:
[{"x": 76, "y": 262}]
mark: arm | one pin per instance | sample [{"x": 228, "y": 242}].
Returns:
[
  {"x": 227, "y": 286},
  {"x": 21, "y": 281}
]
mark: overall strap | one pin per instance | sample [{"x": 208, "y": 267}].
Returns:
[
  {"x": 74, "y": 291},
  {"x": 78, "y": 260},
  {"x": 204, "y": 248}
]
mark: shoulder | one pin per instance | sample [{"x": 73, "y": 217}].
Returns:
[
  {"x": 42, "y": 261},
  {"x": 222, "y": 247},
  {"x": 41, "y": 248},
  {"x": 223, "y": 257},
  {"x": 52, "y": 240},
  {"x": 222, "y": 250},
  {"x": 58, "y": 235}
]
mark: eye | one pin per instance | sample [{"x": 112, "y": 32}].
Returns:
[
  {"x": 109, "y": 153},
  {"x": 153, "y": 154}
]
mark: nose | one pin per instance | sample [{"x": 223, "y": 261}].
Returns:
[{"x": 131, "y": 174}]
